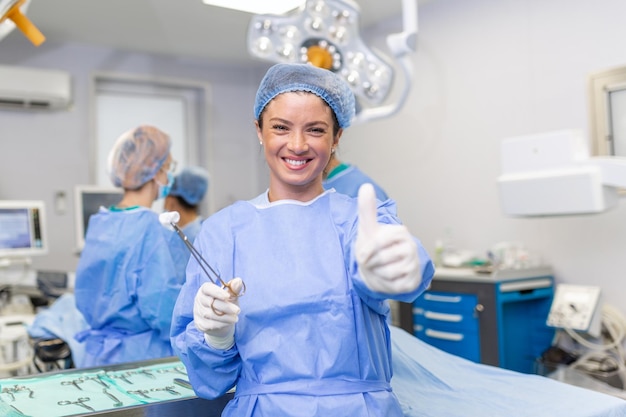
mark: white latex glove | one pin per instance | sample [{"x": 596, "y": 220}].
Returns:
[
  {"x": 218, "y": 328},
  {"x": 386, "y": 253}
]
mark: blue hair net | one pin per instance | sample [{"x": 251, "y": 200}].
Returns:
[
  {"x": 283, "y": 78},
  {"x": 137, "y": 156},
  {"x": 191, "y": 185}
]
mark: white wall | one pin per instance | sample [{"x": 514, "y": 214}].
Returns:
[
  {"x": 45, "y": 152},
  {"x": 486, "y": 70}
]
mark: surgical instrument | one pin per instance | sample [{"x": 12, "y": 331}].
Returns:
[
  {"x": 80, "y": 402},
  {"x": 183, "y": 383},
  {"x": 142, "y": 392},
  {"x": 18, "y": 410},
  {"x": 17, "y": 388},
  {"x": 146, "y": 373},
  {"x": 123, "y": 376},
  {"x": 96, "y": 379},
  {"x": 171, "y": 218},
  {"x": 177, "y": 369},
  {"x": 117, "y": 403},
  {"x": 74, "y": 382},
  {"x": 169, "y": 388}
]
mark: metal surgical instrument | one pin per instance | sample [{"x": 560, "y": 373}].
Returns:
[
  {"x": 117, "y": 403},
  {"x": 74, "y": 382},
  {"x": 171, "y": 218},
  {"x": 142, "y": 392},
  {"x": 17, "y": 388},
  {"x": 183, "y": 383},
  {"x": 81, "y": 402},
  {"x": 95, "y": 379},
  {"x": 124, "y": 377}
]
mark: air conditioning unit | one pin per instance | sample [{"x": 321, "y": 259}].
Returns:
[{"x": 34, "y": 88}]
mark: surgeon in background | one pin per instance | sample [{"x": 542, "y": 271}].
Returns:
[
  {"x": 309, "y": 337},
  {"x": 126, "y": 279},
  {"x": 347, "y": 178},
  {"x": 188, "y": 191}
]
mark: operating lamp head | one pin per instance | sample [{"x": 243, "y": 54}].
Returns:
[{"x": 324, "y": 33}]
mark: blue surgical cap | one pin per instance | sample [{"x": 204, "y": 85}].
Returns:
[
  {"x": 191, "y": 185},
  {"x": 283, "y": 78},
  {"x": 137, "y": 156}
]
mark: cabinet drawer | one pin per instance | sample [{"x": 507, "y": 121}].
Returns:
[
  {"x": 447, "y": 322},
  {"x": 464, "y": 344},
  {"x": 447, "y": 302},
  {"x": 447, "y": 312}
]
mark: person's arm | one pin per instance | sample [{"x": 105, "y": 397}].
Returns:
[
  {"x": 385, "y": 260},
  {"x": 212, "y": 371}
]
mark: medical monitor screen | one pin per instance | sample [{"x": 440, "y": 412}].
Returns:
[
  {"x": 88, "y": 200},
  {"x": 22, "y": 229}
]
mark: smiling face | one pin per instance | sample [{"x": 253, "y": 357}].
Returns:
[{"x": 297, "y": 133}]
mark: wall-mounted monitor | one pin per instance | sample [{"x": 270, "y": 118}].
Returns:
[
  {"x": 22, "y": 229},
  {"x": 87, "y": 200}
]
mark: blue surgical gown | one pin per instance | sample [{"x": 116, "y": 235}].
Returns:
[
  {"x": 180, "y": 251},
  {"x": 192, "y": 229},
  {"x": 126, "y": 287},
  {"x": 312, "y": 339},
  {"x": 349, "y": 180}
]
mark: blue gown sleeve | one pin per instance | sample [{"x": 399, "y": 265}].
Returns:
[{"x": 212, "y": 372}]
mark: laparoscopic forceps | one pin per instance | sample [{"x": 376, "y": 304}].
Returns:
[{"x": 171, "y": 218}]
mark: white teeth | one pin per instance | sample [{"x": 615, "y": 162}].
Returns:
[{"x": 292, "y": 162}]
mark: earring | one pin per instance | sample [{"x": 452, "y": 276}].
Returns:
[
  {"x": 332, "y": 150},
  {"x": 261, "y": 143}
]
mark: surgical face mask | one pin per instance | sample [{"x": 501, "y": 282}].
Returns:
[{"x": 164, "y": 189}]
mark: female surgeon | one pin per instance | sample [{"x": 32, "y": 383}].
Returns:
[
  {"x": 126, "y": 281},
  {"x": 309, "y": 336}
]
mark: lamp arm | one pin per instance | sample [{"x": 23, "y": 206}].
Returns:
[
  {"x": 405, "y": 42},
  {"x": 400, "y": 44}
]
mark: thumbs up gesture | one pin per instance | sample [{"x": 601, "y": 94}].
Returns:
[{"x": 387, "y": 254}]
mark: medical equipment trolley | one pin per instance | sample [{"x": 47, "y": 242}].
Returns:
[{"x": 496, "y": 318}]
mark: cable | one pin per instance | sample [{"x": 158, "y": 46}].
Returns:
[
  {"x": 615, "y": 325},
  {"x": 607, "y": 356}
]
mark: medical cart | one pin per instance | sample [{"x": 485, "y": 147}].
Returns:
[{"x": 496, "y": 318}]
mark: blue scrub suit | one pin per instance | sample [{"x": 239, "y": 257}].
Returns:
[
  {"x": 126, "y": 287},
  {"x": 312, "y": 339},
  {"x": 347, "y": 179},
  {"x": 180, "y": 251}
]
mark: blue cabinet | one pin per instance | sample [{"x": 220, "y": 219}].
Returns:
[
  {"x": 447, "y": 320},
  {"x": 497, "y": 319}
]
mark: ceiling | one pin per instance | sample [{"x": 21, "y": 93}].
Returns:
[{"x": 180, "y": 27}]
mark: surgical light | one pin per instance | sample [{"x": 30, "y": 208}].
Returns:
[
  {"x": 12, "y": 15},
  {"x": 257, "y": 6},
  {"x": 325, "y": 33}
]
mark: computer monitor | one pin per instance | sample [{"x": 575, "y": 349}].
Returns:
[
  {"x": 22, "y": 229},
  {"x": 87, "y": 200}
]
